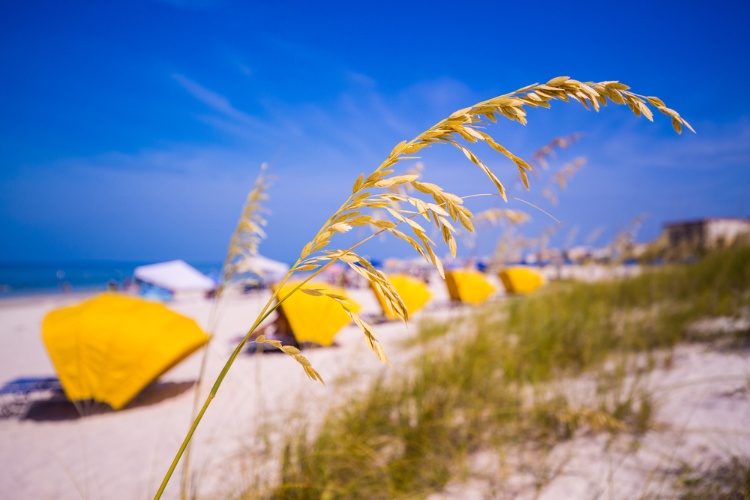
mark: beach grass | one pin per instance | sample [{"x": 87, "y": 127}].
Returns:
[
  {"x": 492, "y": 380},
  {"x": 727, "y": 479}
]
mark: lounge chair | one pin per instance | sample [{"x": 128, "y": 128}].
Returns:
[{"x": 17, "y": 395}]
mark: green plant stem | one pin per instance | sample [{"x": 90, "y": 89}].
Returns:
[
  {"x": 196, "y": 402},
  {"x": 212, "y": 327}
]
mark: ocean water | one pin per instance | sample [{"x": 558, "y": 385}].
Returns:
[{"x": 34, "y": 278}]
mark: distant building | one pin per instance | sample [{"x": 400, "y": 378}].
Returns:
[{"x": 706, "y": 233}]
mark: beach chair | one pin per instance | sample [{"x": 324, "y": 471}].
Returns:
[
  {"x": 17, "y": 395},
  {"x": 468, "y": 286}
]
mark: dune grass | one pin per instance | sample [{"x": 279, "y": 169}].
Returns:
[
  {"x": 729, "y": 479},
  {"x": 494, "y": 385},
  {"x": 645, "y": 312}
]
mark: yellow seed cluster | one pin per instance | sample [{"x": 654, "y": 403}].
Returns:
[
  {"x": 494, "y": 216},
  {"x": 249, "y": 232},
  {"x": 539, "y": 158}
]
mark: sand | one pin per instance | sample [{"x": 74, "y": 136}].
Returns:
[
  {"x": 702, "y": 419},
  {"x": 123, "y": 455}
]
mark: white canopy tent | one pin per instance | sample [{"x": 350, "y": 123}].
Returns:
[{"x": 176, "y": 276}]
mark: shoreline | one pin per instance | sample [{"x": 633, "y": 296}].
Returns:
[{"x": 26, "y": 298}]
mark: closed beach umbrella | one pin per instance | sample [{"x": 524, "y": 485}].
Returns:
[
  {"x": 315, "y": 318},
  {"x": 520, "y": 279},
  {"x": 109, "y": 348},
  {"x": 413, "y": 292},
  {"x": 468, "y": 286}
]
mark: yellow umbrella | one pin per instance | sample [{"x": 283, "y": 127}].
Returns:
[
  {"x": 315, "y": 318},
  {"x": 521, "y": 279},
  {"x": 110, "y": 347},
  {"x": 468, "y": 286},
  {"x": 413, "y": 292}
]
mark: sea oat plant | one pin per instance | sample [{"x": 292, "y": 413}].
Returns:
[
  {"x": 540, "y": 157},
  {"x": 511, "y": 244},
  {"x": 243, "y": 247},
  {"x": 504, "y": 218},
  {"x": 560, "y": 178},
  {"x": 461, "y": 129},
  {"x": 246, "y": 238}
]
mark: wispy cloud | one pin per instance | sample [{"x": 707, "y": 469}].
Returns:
[
  {"x": 361, "y": 124},
  {"x": 360, "y": 79},
  {"x": 711, "y": 149},
  {"x": 213, "y": 100},
  {"x": 228, "y": 118}
]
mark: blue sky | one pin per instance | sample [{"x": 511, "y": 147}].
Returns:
[{"x": 133, "y": 130}]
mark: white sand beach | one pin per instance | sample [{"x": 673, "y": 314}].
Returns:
[{"x": 55, "y": 454}]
